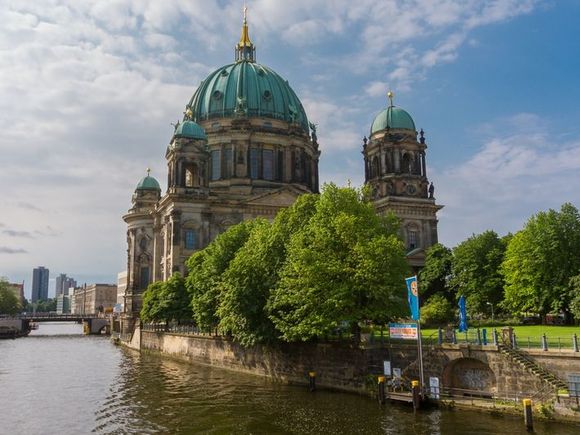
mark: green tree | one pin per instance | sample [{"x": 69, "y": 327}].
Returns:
[
  {"x": 346, "y": 265},
  {"x": 9, "y": 302},
  {"x": 45, "y": 306},
  {"x": 574, "y": 290},
  {"x": 437, "y": 311},
  {"x": 151, "y": 310},
  {"x": 434, "y": 277},
  {"x": 476, "y": 271},
  {"x": 166, "y": 301},
  {"x": 254, "y": 273},
  {"x": 206, "y": 268},
  {"x": 540, "y": 261}
]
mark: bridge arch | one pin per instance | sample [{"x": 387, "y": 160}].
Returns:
[{"x": 470, "y": 374}]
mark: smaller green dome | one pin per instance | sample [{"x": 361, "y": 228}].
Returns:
[
  {"x": 148, "y": 183},
  {"x": 190, "y": 130},
  {"x": 393, "y": 117}
]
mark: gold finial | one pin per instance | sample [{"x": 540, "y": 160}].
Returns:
[
  {"x": 148, "y": 171},
  {"x": 391, "y": 95},
  {"x": 245, "y": 38}
]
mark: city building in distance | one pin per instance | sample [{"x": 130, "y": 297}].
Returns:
[
  {"x": 63, "y": 283},
  {"x": 94, "y": 299},
  {"x": 40, "y": 277},
  {"x": 245, "y": 148}
]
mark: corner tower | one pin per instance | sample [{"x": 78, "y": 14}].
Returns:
[{"x": 396, "y": 172}]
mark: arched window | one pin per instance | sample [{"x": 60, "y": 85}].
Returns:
[
  {"x": 191, "y": 175},
  {"x": 412, "y": 237},
  {"x": 254, "y": 163},
  {"x": 190, "y": 238}
]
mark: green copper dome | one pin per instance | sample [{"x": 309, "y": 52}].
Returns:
[
  {"x": 190, "y": 129},
  {"x": 148, "y": 183},
  {"x": 393, "y": 117},
  {"x": 246, "y": 88}
]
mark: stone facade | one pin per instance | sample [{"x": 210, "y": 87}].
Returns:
[
  {"x": 396, "y": 172},
  {"x": 245, "y": 149},
  {"x": 94, "y": 298}
]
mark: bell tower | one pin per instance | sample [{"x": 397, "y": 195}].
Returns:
[{"x": 396, "y": 172}]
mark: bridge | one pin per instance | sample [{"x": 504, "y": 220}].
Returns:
[{"x": 93, "y": 324}]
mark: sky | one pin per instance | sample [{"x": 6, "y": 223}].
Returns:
[{"x": 89, "y": 89}]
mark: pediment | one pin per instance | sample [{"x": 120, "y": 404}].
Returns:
[{"x": 283, "y": 197}]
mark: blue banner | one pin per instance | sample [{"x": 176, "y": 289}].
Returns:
[
  {"x": 413, "y": 296},
  {"x": 462, "y": 315}
]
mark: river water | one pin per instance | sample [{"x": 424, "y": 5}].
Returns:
[{"x": 57, "y": 381}]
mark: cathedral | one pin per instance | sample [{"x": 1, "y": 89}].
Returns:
[{"x": 245, "y": 149}]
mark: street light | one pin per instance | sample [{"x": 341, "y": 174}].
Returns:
[{"x": 492, "y": 316}]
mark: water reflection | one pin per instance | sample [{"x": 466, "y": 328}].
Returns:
[{"x": 70, "y": 384}]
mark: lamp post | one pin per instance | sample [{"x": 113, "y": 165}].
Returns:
[{"x": 492, "y": 316}]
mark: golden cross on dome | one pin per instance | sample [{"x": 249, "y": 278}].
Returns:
[
  {"x": 391, "y": 95},
  {"x": 148, "y": 171}
]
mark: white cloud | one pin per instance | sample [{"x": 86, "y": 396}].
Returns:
[
  {"x": 88, "y": 89},
  {"x": 511, "y": 177}
]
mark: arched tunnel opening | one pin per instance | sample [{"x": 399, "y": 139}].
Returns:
[{"x": 469, "y": 377}]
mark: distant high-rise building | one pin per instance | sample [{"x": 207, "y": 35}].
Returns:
[
  {"x": 39, "y": 284},
  {"x": 63, "y": 283}
]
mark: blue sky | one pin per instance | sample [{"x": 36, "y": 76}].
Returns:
[{"x": 88, "y": 91}]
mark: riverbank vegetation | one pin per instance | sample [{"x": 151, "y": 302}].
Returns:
[
  {"x": 9, "y": 302},
  {"x": 532, "y": 275},
  {"x": 325, "y": 263},
  {"x": 328, "y": 263}
]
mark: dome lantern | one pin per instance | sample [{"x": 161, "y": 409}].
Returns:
[{"x": 245, "y": 49}]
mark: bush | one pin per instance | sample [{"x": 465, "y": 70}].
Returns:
[{"x": 437, "y": 311}]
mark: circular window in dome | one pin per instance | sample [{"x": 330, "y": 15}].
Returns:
[
  {"x": 216, "y": 95},
  {"x": 224, "y": 72},
  {"x": 261, "y": 71},
  {"x": 267, "y": 95}
]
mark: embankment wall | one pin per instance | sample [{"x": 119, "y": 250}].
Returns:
[{"x": 337, "y": 365}]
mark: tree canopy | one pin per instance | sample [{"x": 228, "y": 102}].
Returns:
[
  {"x": 476, "y": 270},
  {"x": 541, "y": 260},
  {"x": 9, "y": 302},
  {"x": 166, "y": 301},
  {"x": 346, "y": 265},
  {"x": 435, "y": 276}
]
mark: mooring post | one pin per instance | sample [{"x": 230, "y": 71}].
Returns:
[
  {"x": 416, "y": 395},
  {"x": 478, "y": 337},
  {"x": 312, "y": 381},
  {"x": 544, "y": 342},
  {"x": 440, "y": 336},
  {"x": 495, "y": 338},
  {"x": 528, "y": 420},
  {"x": 515, "y": 341},
  {"x": 575, "y": 342},
  {"x": 454, "y": 337},
  {"x": 381, "y": 387}
]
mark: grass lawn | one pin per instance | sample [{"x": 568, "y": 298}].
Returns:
[
  {"x": 527, "y": 331},
  {"x": 527, "y": 335}
]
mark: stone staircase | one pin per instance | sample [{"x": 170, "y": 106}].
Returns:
[{"x": 528, "y": 363}]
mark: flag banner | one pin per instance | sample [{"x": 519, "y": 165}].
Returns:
[
  {"x": 403, "y": 331},
  {"x": 462, "y": 315},
  {"x": 413, "y": 296}
]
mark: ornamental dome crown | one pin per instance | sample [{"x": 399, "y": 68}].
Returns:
[
  {"x": 393, "y": 117},
  {"x": 148, "y": 183},
  {"x": 248, "y": 89},
  {"x": 190, "y": 130}
]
